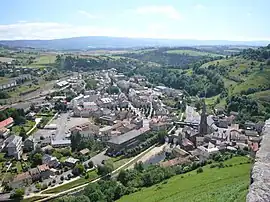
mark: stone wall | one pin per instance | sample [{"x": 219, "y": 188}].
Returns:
[{"x": 259, "y": 190}]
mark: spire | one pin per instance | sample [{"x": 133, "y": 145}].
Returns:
[{"x": 203, "y": 122}]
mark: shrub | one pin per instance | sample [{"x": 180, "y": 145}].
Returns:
[
  {"x": 62, "y": 178},
  {"x": 90, "y": 164},
  {"x": 199, "y": 170},
  {"x": 213, "y": 166}
]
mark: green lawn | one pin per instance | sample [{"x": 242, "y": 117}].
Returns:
[
  {"x": 19, "y": 166},
  {"x": 193, "y": 53},
  {"x": 117, "y": 162},
  {"x": 214, "y": 184},
  {"x": 263, "y": 96},
  {"x": 92, "y": 175},
  {"x": 27, "y": 126}
]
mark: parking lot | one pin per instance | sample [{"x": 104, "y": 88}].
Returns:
[{"x": 64, "y": 122}]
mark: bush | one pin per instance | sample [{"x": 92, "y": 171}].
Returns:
[
  {"x": 199, "y": 170},
  {"x": 62, "y": 178},
  {"x": 213, "y": 166},
  {"x": 54, "y": 181},
  {"x": 90, "y": 164},
  {"x": 18, "y": 193},
  {"x": 220, "y": 165}
]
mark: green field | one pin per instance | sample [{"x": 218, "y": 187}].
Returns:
[
  {"x": 214, "y": 184},
  {"x": 263, "y": 96},
  {"x": 193, "y": 53},
  {"x": 43, "y": 61}
]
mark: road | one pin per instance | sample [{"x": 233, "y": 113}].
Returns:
[
  {"x": 97, "y": 160},
  {"x": 79, "y": 188}
]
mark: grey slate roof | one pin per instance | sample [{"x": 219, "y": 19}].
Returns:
[{"x": 126, "y": 137}]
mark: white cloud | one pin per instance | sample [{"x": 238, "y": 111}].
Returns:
[
  {"x": 87, "y": 14},
  {"x": 53, "y": 30},
  {"x": 50, "y": 30},
  {"x": 167, "y": 11},
  {"x": 199, "y": 7}
]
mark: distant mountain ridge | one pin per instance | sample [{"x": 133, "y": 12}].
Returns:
[{"x": 89, "y": 42}]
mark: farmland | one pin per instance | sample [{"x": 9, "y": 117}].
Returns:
[
  {"x": 193, "y": 53},
  {"x": 214, "y": 184}
]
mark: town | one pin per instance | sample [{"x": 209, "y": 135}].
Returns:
[{"x": 105, "y": 119}]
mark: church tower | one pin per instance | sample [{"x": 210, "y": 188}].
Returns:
[{"x": 203, "y": 122}]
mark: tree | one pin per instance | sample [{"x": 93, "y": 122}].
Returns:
[
  {"x": 37, "y": 159},
  {"x": 75, "y": 141},
  {"x": 78, "y": 169},
  {"x": 199, "y": 170},
  {"x": 139, "y": 166},
  {"x": 106, "y": 168},
  {"x": 23, "y": 133},
  {"x": 90, "y": 164},
  {"x": 62, "y": 178},
  {"x": 17, "y": 194}
]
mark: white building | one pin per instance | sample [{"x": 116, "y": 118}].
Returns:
[{"x": 14, "y": 146}]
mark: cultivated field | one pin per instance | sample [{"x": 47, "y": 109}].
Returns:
[
  {"x": 214, "y": 184},
  {"x": 193, "y": 53}
]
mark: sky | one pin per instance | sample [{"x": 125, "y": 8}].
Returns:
[{"x": 238, "y": 20}]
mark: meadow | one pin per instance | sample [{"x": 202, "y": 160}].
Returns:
[
  {"x": 213, "y": 184},
  {"x": 193, "y": 53}
]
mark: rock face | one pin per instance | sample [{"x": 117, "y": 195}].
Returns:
[{"x": 259, "y": 190}]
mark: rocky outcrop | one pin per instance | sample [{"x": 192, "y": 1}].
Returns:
[{"x": 259, "y": 190}]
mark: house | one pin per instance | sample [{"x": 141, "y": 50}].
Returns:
[
  {"x": 237, "y": 136},
  {"x": 223, "y": 123},
  {"x": 71, "y": 162},
  {"x": 251, "y": 133},
  {"x": 35, "y": 174},
  {"x": 250, "y": 125},
  {"x": 61, "y": 84},
  {"x": 29, "y": 144},
  {"x": 31, "y": 116},
  {"x": 105, "y": 102},
  {"x": 21, "y": 180},
  {"x": 61, "y": 143},
  {"x": 86, "y": 130},
  {"x": 108, "y": 120},
  {"x": 4, "y": 132},
  {"x": 51, "y": 161},
  {"x": 175, "y": 161},
  {"x": 45, "y": 171},
  {"x": 84, "y": 151},
  {"x": 14, "y": 146},
  {"x": 187, "y": 144},
  {"x": 7, "y": 123},
  {"x": 127, "y": 140}
]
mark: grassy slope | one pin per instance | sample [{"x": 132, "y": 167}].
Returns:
[
  {"x": 253, "y": 79},
  {"x": 214, "y": 184},
  {"x": 193, "y": 53}
]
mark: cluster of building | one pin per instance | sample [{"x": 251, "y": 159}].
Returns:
[{"x": 213, "y": 134}]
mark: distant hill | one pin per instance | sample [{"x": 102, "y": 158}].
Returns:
[{"x": 95, "y": 42}]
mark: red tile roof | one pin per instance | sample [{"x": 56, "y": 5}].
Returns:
[
  {"x": 6, "y": 122},
  {"x": 43, "y": 168}
]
